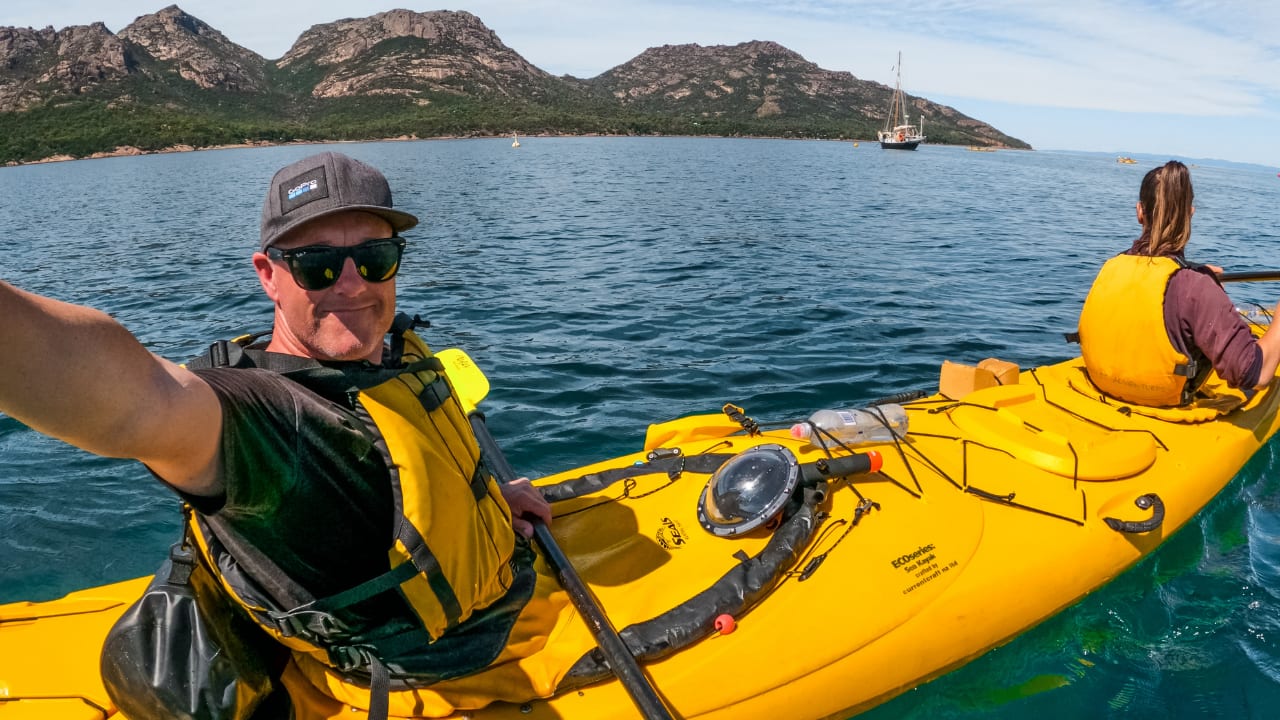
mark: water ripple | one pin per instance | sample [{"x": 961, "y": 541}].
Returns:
[{"x": 606, "y": 283}]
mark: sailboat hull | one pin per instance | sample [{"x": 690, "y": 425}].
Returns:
[{"x": 895, "y": 145}]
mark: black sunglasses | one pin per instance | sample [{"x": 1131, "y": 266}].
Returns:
[{"x": 316, "y": 267}]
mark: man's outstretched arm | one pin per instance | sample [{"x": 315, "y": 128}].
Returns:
[{"x": 75, "y": 374}]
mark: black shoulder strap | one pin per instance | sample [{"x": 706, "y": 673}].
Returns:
[
  {"x": 221, "y": 353},
  {"x": 402, "y": 324},
  {"x": 228, "y": 353},
  {"x": 1201, "y": 268},
  {"x": 334, "y": 380},
  {"x": 245, "y": 351}
]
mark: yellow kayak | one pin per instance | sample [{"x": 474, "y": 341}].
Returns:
[{"x": 998, "y": 509}]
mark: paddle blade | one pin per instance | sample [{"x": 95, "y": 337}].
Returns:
[{"x": 467, "y": 378}]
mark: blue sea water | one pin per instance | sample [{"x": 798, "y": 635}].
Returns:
[{"x": 606, "y": 283}]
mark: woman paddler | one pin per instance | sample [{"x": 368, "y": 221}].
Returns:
[{"x": 1155, "y": 325}]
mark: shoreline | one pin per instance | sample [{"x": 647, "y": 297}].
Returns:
[{"x": 131, "y": 151}]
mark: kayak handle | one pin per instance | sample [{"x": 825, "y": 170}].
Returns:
[
  {"x": 1150, "y": 500},
  {"x": 843, "y": 466}
]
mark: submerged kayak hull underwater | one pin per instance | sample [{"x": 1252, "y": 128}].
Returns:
[{"x": 998, "y": 510}]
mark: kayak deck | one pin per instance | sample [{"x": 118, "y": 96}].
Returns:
[
  {"x": 953, "y": 548},
  {"x": 49, "y": 666}
]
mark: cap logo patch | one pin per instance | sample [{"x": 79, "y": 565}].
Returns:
[{"x": 305, "y": 188}]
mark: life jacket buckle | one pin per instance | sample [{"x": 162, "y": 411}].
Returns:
[
  {"x": 287, "y": 625},
  {"x": 350, "y": 657},
  {"x": 310, "y": 625}
]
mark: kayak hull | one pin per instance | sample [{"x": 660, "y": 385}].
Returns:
[{"x": 989, "y": 518}]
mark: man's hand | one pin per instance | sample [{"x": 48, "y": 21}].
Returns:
[{"x": 525, "y": 499}]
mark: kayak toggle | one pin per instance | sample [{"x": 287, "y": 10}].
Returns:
[
  {"x": 752, "y": 488},
  {"x": 1150, "y": 500}
]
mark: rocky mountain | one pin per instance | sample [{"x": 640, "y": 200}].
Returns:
[
  {"x": 171, "y": 79},
  {"x": 37, "y": 65},
  {"x": 196, "y": 52},
  {"x": 409, "y": 54},
  {"x": 766, "y": 80},
  {"x": 754, "y": 78}
]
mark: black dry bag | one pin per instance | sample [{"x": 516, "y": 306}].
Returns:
[{"x": 184, "y": 650}]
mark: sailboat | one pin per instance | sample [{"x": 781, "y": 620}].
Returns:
[
  {"x": 515, "y": 141},
  {"x": 898, "y": 132}
]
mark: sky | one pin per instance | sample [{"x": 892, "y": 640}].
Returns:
[{"x": 1196, "y": 79}]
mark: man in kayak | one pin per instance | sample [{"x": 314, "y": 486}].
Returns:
[
  {"x": 1154, "y": 325},
  {"x": 309, "y": 462}
]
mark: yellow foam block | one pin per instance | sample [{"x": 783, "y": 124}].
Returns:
[
  {"x": 958, "y": 379},
  {"x": 1006, "y": 373}
]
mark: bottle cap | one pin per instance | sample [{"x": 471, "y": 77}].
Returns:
[{"x": 801, "y": 431}]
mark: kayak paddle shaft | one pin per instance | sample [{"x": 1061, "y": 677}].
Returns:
[
  {"x": 620, "y": 659},
  {"x": 1250, "y": 276}
]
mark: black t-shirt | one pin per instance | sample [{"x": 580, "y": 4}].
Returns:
[
  {"x": 308, "y": 487},
  {"x": 305, "y": 481}
]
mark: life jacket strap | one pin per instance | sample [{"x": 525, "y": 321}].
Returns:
[
  {"x": 365, "y": 590},
  {"x": 319, "y": 618},
  {"x": 379, "y": 690},
  {"x": 425, "y": 562},
  {"x": 181, "y": 563},
  {"x": 401, "y": 324},
  {"x": 358, "y": 657},
  {"x": 480, "y": 482},
  {"x": 434, "y": 393}
]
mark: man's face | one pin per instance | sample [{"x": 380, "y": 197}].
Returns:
[{"x": 345, "y": 321}]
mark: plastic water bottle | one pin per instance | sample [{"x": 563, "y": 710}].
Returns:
[{"x": 853, "y": 427}]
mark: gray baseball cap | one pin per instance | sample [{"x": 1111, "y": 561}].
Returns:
[{"x": 322, "y": 185}]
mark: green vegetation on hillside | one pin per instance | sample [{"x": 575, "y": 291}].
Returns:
[{"x": 83, "y": 127}]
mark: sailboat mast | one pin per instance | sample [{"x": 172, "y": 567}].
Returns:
[
  {"x": 898, "y": 109},
  {"x": 902, "y": 105}
]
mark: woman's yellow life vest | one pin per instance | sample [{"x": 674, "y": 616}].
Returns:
[
  {"x": 452, "y": 558},
  {"x": 1126, "y": 349}
]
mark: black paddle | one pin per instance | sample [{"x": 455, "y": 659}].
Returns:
[
  {"x": 1250, "y": 276},
  {"x": 471, "y": 386}
]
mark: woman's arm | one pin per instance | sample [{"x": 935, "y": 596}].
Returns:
[
  {"x": 1270, "y": 344},
  {"x": 75, "y": 374}
]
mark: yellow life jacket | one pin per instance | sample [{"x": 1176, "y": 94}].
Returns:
[
  {"x": 1126, "y": 348},
  {"x": 454, "y": 560}
]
